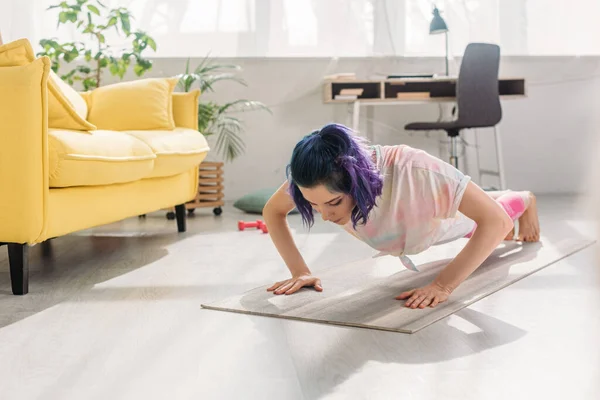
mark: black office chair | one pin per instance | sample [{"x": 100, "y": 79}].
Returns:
[{"x": 477, "y": 95}]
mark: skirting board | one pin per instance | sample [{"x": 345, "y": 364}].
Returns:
[{"x": 362, "y": 294}]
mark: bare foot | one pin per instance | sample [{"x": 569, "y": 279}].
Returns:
[
  {"x": 529, "y": 224},
  {"x": 511, "y": 234}
]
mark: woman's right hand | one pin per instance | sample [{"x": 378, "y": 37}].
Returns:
[{"x": 295, "y": 283}]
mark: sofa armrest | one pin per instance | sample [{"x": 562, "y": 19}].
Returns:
[
  {"x": 185, "y": 109},
  {"x": 23, "y": 151}
]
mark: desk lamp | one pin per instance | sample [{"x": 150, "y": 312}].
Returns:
[{"x": 437, "y": 26}]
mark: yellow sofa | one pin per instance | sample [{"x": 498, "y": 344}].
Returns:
[{"x": 59, "y": 180}]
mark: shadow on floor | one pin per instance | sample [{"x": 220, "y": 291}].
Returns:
[{"x": 75, "y": 263}]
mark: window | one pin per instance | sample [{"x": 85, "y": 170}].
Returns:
[{"x": 335, "y": 28}]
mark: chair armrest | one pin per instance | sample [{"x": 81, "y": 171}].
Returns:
[
  {"x": 185, "y": 109},
  {"x": 23, "y": 151}
]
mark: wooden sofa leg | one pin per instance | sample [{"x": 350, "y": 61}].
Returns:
[
  {"x": 180, "y": 214},
  {"x": 18, "y": 258}
]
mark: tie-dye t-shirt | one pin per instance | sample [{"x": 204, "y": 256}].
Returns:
[{"x": 418, "y": 206}]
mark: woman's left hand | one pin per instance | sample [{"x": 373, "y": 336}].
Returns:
[{"x": 430, "y": 295}]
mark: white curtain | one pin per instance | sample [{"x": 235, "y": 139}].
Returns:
[{"x": 333, "y": 28}]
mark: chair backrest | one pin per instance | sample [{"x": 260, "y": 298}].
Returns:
[{"x": 477, "y": 87}]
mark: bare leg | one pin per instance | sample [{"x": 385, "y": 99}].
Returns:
[
  {"x": 525, "y": 211},
  {"x": 529, "y": 225},
  {"x": 495, "y": 194}
]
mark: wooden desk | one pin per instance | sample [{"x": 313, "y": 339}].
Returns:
[{"x": 411, "y": 89}]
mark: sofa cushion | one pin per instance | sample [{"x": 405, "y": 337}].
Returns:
[
  {"x": 177, "y": 151},
  {"x": 255, "y": 201},
  {"x": 185, "y": 109},
  {"x": 66, "y": 109},
  {"x": 96, "y": 158},
  {"x": 140, "y": 104}
]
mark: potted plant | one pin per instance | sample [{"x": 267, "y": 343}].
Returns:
[
  {"x": 219, "y": 119},
  {"x": 93, "y": 18}
]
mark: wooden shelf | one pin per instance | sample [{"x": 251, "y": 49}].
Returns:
[{"x": 210, "y": 187}]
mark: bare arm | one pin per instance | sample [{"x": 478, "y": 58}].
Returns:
[
  {"x": 275, "y": 215},
  {"x": 493, "y": 224}
]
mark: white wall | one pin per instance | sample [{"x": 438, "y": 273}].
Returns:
[{"x": 548, "y": 138}]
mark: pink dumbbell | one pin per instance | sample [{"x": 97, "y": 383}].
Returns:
[{"x": 258, "y": 224}]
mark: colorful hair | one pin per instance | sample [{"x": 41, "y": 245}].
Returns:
[{"x": 340, "y": 161}]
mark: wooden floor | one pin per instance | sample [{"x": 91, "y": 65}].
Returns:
[{"x": 114, "y": 313}]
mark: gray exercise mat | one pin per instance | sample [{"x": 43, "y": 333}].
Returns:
[{"x": 361, "y": 294}]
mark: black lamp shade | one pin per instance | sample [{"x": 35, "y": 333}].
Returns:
[{"x": 438, "y": 25}]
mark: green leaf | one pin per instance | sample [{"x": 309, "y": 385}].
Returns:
[
  {"x": 72, "y": 16},
  {"x": 186, "y": 80},
  {"x": 146, "y": 63},
  {"x": 139, "y": 69},
  {"x": 71, "y": 55},
  {"x": 62, "y": 17},
  {"x": 229, "y": 143},
  {"x": 123, "y": 65},
  {"x": 67, "y": 75},
  {"x": 114, "y": 68},
  {"x": 151, "y": 43},
  {"x": 136, "y": 46},
  {"x": 207, "y": 66},
  {"x": 125, "y": 24},
  {"x": 224, "y": 77},
  {"x": 244, "y": 105},
  {"x": 101, "y": 38},
  {"x": 112, "y": 21},
  {"x": 93, "y": 9},
  {"x": 49, "y": 44},
  {"x": 90, "y": 83}
]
